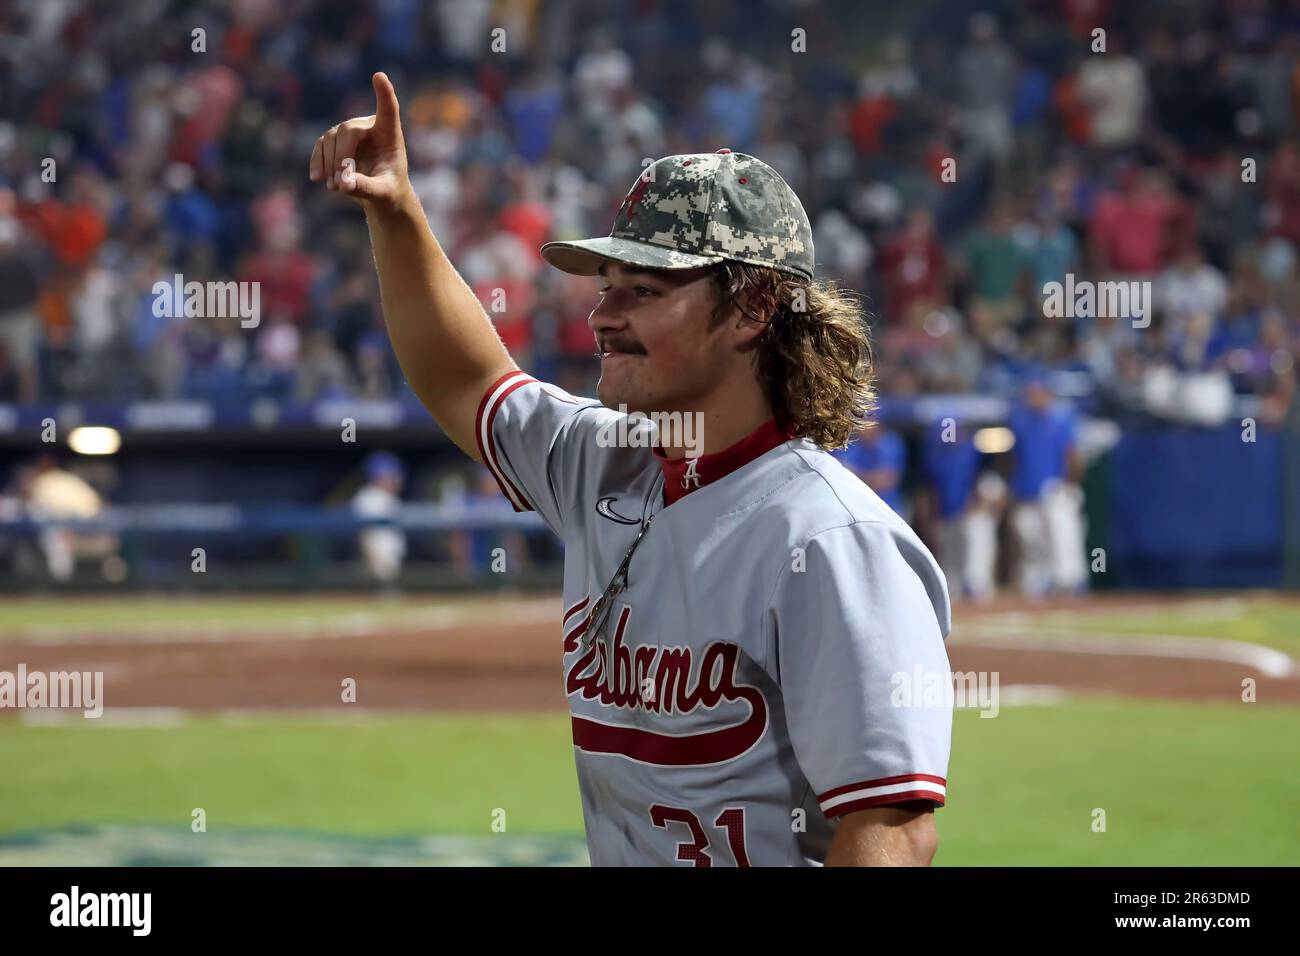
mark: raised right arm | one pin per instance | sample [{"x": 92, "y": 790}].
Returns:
[{"x": 445, "y": 342}]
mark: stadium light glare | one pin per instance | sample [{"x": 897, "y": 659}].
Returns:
[
  {"x": 94, "y": 440},
  {"x": 994, "y": 441}
]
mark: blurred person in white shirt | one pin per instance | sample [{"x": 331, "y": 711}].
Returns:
[
  {"x": 53, "y": 494},
  {"x": 1115, "y": 90},
  {"x": 1190, "y": 286},
  {"x": 383, "y": 546}
]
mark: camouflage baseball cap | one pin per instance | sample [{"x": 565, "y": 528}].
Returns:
[{"x": 695, "y": 210}]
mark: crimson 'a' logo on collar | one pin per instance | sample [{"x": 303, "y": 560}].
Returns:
[{"x": 659, "y": 680}]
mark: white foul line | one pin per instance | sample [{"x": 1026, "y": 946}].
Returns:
[{"x": 1266, "y": 660}]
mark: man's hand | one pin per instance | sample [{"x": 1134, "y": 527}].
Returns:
[
  {"x": 885, "y": 836},
  {"x": 365, "y": 157}
]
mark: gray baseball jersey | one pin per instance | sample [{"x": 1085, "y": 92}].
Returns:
[{"x": 743, "y": 695}]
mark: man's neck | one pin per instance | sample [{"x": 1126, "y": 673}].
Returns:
[
  {"x": 718, "y": 430},
  {"x": 699, "y": 467}
]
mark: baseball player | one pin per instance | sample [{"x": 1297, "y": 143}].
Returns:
[
  {"x": 967, "y": 502},
  {"x": 1048, "y": 513},
  {"x": 739, "y": 624}
]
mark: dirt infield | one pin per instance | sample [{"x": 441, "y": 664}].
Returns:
[{"x": 517, "y": 666}]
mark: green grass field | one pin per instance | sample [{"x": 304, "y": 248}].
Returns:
[{"x": 1180, "y": 784}]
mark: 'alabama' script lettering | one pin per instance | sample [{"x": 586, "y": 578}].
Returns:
[{"x": 660, "y": 680}]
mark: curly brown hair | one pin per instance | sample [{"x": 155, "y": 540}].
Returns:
[{"x": 814, "y": 357}]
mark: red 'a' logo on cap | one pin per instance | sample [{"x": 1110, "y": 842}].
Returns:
[{"x": 635, "y": 195}]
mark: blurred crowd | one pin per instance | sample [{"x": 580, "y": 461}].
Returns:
[
  {"x": 952, "y": 164},
  {"x": 995, "y": 505}
]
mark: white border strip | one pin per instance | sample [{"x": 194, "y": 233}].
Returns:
[
  {"x": 884, "y": 790},
  {"x": 485, "y": 437},
  {"x": 1266, "y": 660}
]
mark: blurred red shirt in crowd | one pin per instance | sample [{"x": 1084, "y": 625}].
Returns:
[
  {"x": 868, "y": 120},
  {"x": 1282, "y": 212},
  {"x": 206, "y": 100},
  {"x": 1129, "y": 229},
  {"x": 285, "y": 272},
  {"x": 913, "y": 264},
  {"x": 73, "y": 231},
  {"x": 286, "y": 276}
]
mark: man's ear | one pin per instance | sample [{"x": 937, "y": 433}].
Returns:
[{"x": 747, "y": 320}]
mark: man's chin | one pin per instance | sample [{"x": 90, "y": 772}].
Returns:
[
  {"x": 620, "y": 384},
  {"x": 610, "y": 395},
  {"x": 613, "y": 390}
]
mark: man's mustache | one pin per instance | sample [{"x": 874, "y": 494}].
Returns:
[{"x": 623, "y": 346}]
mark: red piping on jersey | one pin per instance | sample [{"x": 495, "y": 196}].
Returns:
[
  {"x": 881, "y": 782},
  {"x": 489, "y": 453},
  {"x": 920, "y": 792},
  {"x": 906, "y": 796},
  {"x": 680, "y": 481}
]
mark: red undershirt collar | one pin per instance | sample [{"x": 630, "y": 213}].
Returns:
[{"x": 684, "y": 475}]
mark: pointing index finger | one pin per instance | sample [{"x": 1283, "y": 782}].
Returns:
[{"x": 387, "y": 111}]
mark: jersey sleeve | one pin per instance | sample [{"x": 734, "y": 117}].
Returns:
[
  {"x": 533, "y": 439},
  {"x": 858, "y": 640}
]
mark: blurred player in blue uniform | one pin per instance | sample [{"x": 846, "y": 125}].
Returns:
[
  {"x": 879, "y": 456},
  {"x": 1048, "y": 515},
  {"x": 967, "y": 505}
]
